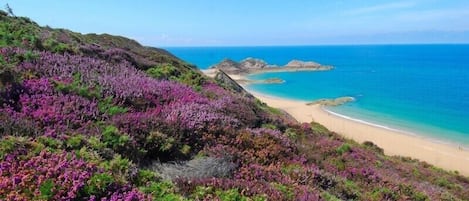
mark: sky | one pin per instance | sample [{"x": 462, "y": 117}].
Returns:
[{"x": 171, "y": 23}]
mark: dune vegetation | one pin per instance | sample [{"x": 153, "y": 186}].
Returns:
[{"x": 100, "y": 117}]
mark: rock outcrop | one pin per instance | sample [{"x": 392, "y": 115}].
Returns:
[
  {"x": 228, "y": 82},
  {"x": 298, "y": 63},
  {"x": 333, "y": 102},
  {"x": 228, "y": 65},
  {"x": 253, "y": 65}
]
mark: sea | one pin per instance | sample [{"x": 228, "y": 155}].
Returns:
[{"x": 420, "y": 90}]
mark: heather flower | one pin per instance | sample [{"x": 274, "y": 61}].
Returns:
[{"x": 60, "y": 175}]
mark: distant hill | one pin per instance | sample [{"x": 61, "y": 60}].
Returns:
[{"x": 100, "y": 117}]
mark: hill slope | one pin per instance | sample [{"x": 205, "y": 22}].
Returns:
[{"x": 100, "y": 117}]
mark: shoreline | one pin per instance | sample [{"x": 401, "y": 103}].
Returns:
[
  {"x": 393, "y": 141},
  {"x": 463, "y": 147}
]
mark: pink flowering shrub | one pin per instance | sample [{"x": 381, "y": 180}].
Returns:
[
  {"x": 124, "y": 193},
  {"x": 61, "y": 113},
  {"x": 57, "y": 176}
]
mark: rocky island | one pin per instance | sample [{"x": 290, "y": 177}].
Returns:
[
  {"x": 332, "y": 102},
  {"x": 253, "y": 65}
]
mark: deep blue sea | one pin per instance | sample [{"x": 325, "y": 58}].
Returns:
[{"x": 419, "y": 89}]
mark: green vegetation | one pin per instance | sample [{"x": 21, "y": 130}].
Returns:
[
  {"x": 328, "y": 197},
  {"x": 162, "y": 191},
  {"x": 163, "y": 71},
  {"x": 319, "y": 128},
  {"x": 189, "y": 77},
  {"x": 106, "y": 106},
  {"x": 145, "y": 176},
  {"x": 98, "y": 183},
  {"x": 78, "y": 88},
  {"x": 113, "y": 138},
  {"x": 75, "y": 142},
  {"x": 287, "y": 191},
  {"x": 343, "y": 148},
  {"x": 46, "y": 189},
  {"x": 18, "y": 31}
]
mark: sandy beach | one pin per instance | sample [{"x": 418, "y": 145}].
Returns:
[{"x": 393, "y": 142}]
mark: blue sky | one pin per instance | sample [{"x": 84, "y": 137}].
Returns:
[{"x": 165, "y": 23}]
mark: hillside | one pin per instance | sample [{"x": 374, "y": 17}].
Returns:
[{"x": 100, "y": 117}]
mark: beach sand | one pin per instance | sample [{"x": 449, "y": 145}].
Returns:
[{"x": 446, "y": 156}]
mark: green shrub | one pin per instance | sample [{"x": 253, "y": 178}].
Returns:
[
  {"x": 95, "y": 143},
  {"x": 98, "y": 184},
  {"x": 291, "y": 168},
  {"x": 267, "y": 108},
  {"x": 290, "y": 133},
  {"x": 269, "y": 126},
  {"x": 7, "y": 145},
  {"x": 145, "y": 176},
  {"x": 202, "y": 192},
  {"x": 30, "y": 56},
  {"x": 378, "y": 164},
  {"x": 46, "y": 189},
  {"x": 329, "y": 197},
  {"x": 120, "y": 168},
  {"x": 343, "y": 148},
  {"x": 351, "y": 188},
  {"x": 165, "y": 71},
  {"x": 416, "y": 172},
  {"x": 50, "y": 143},
  {"x": 112, "y": 138},
  {"x": 88, "y": 155},
  {"x": 318, "y": 128},
  {"x": 185, "y": 149},
  {"x": 53, "y": 45},
  {"x": 410, "y": 191},
  {"x": 161, "y": 141},
  {"x": 18, "y": 32},
  {"x": 77, "y": 88},
  {"x": 447, "y": 196},
  {"x": 286, "y": 191},
  {"x": 192, "y": 78},
  {"x": 339, "y": 163},
  {"x": 106, "y": 106},
  {"x": 162, "y": 191},
  {"x": 371, "y": 146},
  {"x": 384, "y": 194},
  {"x": 75, "y": 142},
  {"x": 230, "y": 195},
  {"x": 443, "y": 182}
]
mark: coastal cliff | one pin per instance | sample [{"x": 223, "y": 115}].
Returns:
[{"x": 101, "y": 117}]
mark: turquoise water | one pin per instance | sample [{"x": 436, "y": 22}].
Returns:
[{"x": 420, "y": 89}]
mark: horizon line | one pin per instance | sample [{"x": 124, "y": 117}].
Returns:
[{"x": 311, "y": 45}]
